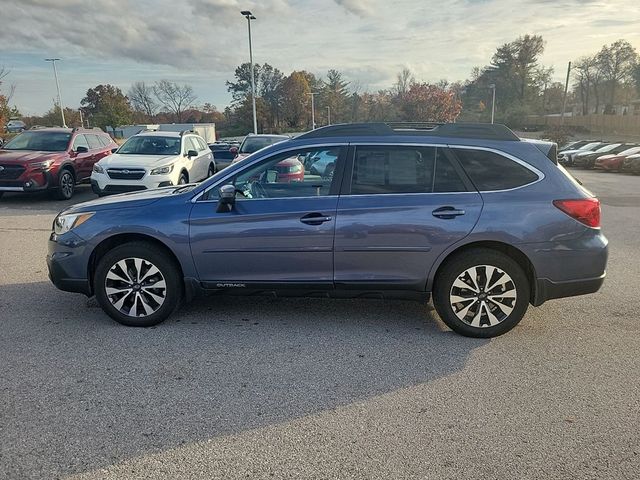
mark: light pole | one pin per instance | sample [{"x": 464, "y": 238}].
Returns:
[
  {"x": 249, "y": 16},
  {"x": 328, "y": 115},
  {"x": 313, "y": 109},
  {"x": 493, "y": 101},
  {"x": 55, "y": 74}
]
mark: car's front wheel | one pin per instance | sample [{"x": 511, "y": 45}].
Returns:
[
  {"x": 481, "y": 293},
  {"x": 137, "y": 284},
  {"x": 66, "y": 185}
]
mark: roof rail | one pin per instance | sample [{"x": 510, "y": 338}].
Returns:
[
  {"x": 486, "y": 131},
  {"x": 183, "y": 132}
]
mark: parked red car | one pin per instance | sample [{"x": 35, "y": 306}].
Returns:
[
  {"x": 54, "y": 159},
  {"x": 615, "y": 161}
]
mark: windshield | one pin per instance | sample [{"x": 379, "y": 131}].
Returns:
[
  {"x": 589, "y": 146},
  {"x": 151, "y": 145},
  {"x": 608, "y": 148},
  {"x": 253, "y": 144},
  {"x": 630, "y": 151},
  {"x": 40, "y": 141}
]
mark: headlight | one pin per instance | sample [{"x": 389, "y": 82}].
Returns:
[
  {"x": 42, "y": 165},
  {"x": 97, "y": 168},
  {"x": 65, "y": 222},
  {"x": 162, "y": 170}
]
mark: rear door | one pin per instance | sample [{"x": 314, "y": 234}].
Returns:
[{"x": 400, "y": 207}]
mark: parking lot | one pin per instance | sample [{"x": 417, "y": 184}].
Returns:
[{"x": 304, "y": 388}]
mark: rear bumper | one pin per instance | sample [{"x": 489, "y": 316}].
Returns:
[{"x": 547, "y": 289}]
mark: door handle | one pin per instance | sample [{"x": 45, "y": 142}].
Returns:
[
  {"x": 315, "y": 218},
  {"x": 447, "y": 213}
]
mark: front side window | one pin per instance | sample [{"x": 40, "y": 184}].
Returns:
[
  {"x": 492, "y": 171},
  {"x": 280, "y": 176},
  {"x": 40, "y": 141},
  {"x": 403, "y": 169},
  {"x": 151, "y": 145}
]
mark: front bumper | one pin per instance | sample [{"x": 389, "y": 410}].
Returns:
[
  {"x": 102, "y": 184},
  {"x": 67, "y": 263},
  {"x": 29, "y": 182}
]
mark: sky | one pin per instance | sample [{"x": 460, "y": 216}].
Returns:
[{"x": 200, "y": 42}]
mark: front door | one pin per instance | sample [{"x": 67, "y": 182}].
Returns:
[
  {"x": 400, "y": 208},
  {"x": 279, "y": 233}
]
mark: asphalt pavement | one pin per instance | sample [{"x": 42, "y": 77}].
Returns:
[{"x": 300, "y": 388}]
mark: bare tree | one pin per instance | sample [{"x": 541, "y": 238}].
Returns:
[
  {"x": 141, "y": 98},
  {"x": 404, "y": 79},
  {"x": 616, "y": 62},
  {"x": 175, "y": 98}
]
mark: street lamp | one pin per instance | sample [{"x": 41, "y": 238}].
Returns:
[
  {"x": 313, "y": 110},
  {"x": 493, "y": 101},
  {"x": 249, "y": 16},
  {"x": 55, "y": 74}
]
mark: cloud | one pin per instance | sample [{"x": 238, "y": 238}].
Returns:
[{"x": 361, "y": 8}]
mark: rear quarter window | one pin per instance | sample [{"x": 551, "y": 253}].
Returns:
[{"x": 492, "y": 171}]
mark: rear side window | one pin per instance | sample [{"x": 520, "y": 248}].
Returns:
[
  {"x": 492, "y": 171},
  {"x": 397, "y": 170},
  {"x": 104, "y": 140},
  {"x": 94, "y": 142}
]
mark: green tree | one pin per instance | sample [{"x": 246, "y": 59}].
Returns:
[
  {"x": 107, "y": 106},
  {"x": 616, "y": 63},
  {"x": 295, "y": 100},
  {"x": 335, "y": 96}
]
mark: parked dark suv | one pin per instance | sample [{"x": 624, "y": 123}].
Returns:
[
  {"x": 471, "y": 214},
  {"x": 54, "y": 159}
]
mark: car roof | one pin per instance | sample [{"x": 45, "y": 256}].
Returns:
[
  {"x": 266, "y": 135},
  {"x": 157, "y": 133}
]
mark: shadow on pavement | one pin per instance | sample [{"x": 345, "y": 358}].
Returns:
[{"x": 81, "y": 392}]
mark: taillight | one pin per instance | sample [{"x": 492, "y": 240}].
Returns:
[{"x": 585, "y": 210}]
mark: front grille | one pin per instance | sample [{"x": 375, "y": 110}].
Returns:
[
  {"x": 124, "y": 188},
  {"x": 126, "y": 173},
  {"x": 11, "y": 172}
]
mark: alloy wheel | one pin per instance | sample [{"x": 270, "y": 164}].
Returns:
[
  {"x": 66, "y": 184},
  {"x": 135, "y": 287},
  {"x": 483, "y": 296}
]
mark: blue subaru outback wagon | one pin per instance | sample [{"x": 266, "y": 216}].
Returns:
[{"x": 470, "y": 214}]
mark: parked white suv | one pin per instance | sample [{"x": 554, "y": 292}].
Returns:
[{"x": 152, "y": 160}]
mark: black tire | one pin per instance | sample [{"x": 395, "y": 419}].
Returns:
[
  {"x": 141, "y": 300},
  {"x": 211, "y": 171},
  {"x": 182, "y": 180},
  {"x": 66, "y": 185},
  {"x": 445, "y": 292}
]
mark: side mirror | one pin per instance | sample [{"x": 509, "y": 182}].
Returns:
[
  {"x": 234, "y": 150},
  {"x": 192, "y": 153},
  {"x": 227, "y": 198},
  {"x": 114, "y": 150},
  {"x": 81, "y": 149}
]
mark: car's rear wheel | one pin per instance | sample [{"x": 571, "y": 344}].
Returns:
[
  {"x": 66, "y": 185},
  {"x": 137, "y": 284},
  {"x": 481, "y": 293}
]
